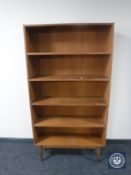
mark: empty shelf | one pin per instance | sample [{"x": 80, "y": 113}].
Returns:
[
  {"x": 70, "y": 141},
  {"x": 69, "y": 101},
  {"x": 71, "y": 121}
]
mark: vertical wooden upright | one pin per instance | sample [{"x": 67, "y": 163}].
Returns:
[{"x": 69, "y": 75}]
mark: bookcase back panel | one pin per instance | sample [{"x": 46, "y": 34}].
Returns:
[
  {"x": 86, "y": 131},
  {"x": 69, "y": 89},
  {"x": 70, "y": 65},
  {"x": 69, "y": 111}
]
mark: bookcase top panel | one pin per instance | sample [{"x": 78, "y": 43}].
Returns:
[{"x": 69, "y": 25}]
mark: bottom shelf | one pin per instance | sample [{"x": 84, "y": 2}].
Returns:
[{"x": 71, "y": 141}]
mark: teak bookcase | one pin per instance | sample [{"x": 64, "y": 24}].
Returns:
[{"x": 69, "y": 73}]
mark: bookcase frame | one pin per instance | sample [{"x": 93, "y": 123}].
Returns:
[{"x": 69, "y": 78}]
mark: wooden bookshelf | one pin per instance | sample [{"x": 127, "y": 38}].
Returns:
[{"x": 69, "y": 73}]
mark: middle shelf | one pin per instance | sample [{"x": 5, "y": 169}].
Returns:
[
  {"x": 70, "y": 78},
  {"x": 70, "y": 121},
  {"x": 35, "y": 54},
  {"x": 70, "y": 101}
]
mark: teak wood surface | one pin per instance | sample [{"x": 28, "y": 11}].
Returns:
[{"x": 69, "y": 78}]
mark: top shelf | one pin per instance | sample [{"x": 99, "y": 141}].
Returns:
[
  {"x": 66, "y": 53},
  {"x": 69, "y": 39}
]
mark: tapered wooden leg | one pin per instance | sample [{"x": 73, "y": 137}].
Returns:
[
  {"x": 41, "y": 153},
  {"x": 98, "y": 153}
]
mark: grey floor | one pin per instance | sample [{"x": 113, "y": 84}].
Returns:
[{"x": 23, "y": 159}]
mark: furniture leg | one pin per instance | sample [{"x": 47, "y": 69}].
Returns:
[{"x": 41, "y": 153}]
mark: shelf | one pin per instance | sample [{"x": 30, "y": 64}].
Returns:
[
  {"x": 69, "y": 101},
  {"x": 71, "y": 121},
  {"x": 70, "y": 141},
  {"x": 70, "y": 78},
  {"x": 39, "y": 27},
  {"x": 66, "y": 53}
]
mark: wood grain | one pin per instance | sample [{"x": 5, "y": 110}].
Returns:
[
  {"x": 70, "y": 78},
  {"x": 66, "y": 101},
  {"x": 70, "y": 121},
  {"x": 70, "y": 141}
]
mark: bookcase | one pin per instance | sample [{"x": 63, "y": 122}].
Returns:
[{"x": 69, "y": 75}]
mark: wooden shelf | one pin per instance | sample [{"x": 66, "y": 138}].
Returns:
[
  {"x": 69, "y": 101},
  {"x": 71, "y": 141},
  {"x": 70, "y": 78},
  {"x": 66, "y": 121},
  {"x": 41, "y": 27},
  {"x": 66, "y": 53},
  {"x": 69, "y": 72}
]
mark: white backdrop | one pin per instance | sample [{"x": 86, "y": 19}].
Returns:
[{"x": 14, "y": 102}]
